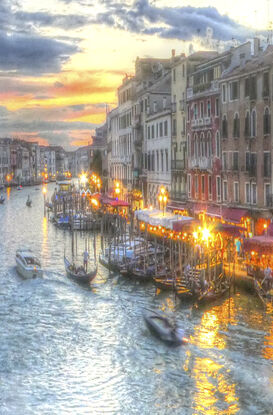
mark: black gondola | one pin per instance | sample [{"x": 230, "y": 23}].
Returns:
[
  {"x": 163, "y": 329},
  {"x": 211, "y": 295},
  {"x": 79, "y": 274},
  {"x": 2, "y": 199}
]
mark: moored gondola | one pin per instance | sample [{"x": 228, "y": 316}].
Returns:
[
  {"x": 164, "y": 329},
  {"x": 79, "y": 274}
]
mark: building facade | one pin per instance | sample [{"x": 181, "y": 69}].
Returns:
[{"x": 246, "y": 108}]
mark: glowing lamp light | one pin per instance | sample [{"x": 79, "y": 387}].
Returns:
[
  {"x": 94, "y": 202},
  {"x": 151, "y": 207},
  {"x": 265, "y": 225},
  {"x": 195, "y": 235},
  {"x": 206, "y": 234},
  {"x": 83, "y": 178},
  {"x": 44, "y": 190},
  {"x": 8, "y": 177},
  {"x": 252, "y": 253}
]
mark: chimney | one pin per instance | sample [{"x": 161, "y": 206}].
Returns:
[{"x": 173, "y": 53}]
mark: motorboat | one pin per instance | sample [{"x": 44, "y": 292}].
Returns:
[
  {"x": 27, "y": 264},
  {"x": 2, "y": 199},
  {"x": 164, "y": 329},
  {"x": 79, "y": 274}
]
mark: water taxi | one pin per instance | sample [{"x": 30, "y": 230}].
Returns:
[{"x": 27, "y": 265}]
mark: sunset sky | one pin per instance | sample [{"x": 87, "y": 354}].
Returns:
[{"x": 62, "y": 60}]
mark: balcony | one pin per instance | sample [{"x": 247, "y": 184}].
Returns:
[
  {"x": 201, "y": 163},
  {"x": 269, "y": 201},
  {"x": 136, "y": 121},
  {"x": 173, "y": 105},
  {"x": 201, "y": 122},
  {"x": 178, "y": 165},
  {"x": 181, "y": 196},
  {"x": 182, "y": 105},
  {"x": 138, "y": 142}
]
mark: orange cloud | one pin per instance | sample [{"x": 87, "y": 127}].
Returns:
[{"x": 31, "y": 137}]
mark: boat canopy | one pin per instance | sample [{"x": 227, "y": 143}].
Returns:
[{"x": 167, "y": 220}]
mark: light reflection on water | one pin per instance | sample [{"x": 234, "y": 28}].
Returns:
[{"x": 69, "y": 350}]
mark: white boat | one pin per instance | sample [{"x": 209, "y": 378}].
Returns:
[{"x": 27, "y": 265}]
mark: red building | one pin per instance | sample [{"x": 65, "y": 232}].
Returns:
[{"x": 203, "y": 133}]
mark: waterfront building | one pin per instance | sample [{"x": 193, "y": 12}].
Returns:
[
  {"x": 182, "y": 67},
  {"x": 246, "y": 108},
  {"x": 48, "y": 161},
  {"x": 4, "y": 159},
  {"x": 153, "y": 91},
  {"x": 203, "y": 132}
]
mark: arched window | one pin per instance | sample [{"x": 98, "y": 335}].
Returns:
[
  {"x": 202, "y": 142},
  {"x": 209, "y": 145},
  {"x": 188, "y": 146},
  {"x": 224, "y": 127},
  {"x": 218, "y": 145},
  {"x": 236, "y": 126},
  {"x": 266, "y": 121},
  {"x": 253, "y": 123},
  {"x": 195, "y": 151},
  {"x": 247, "y": 124}
]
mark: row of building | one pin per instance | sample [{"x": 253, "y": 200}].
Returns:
[
  {"x": 201, "y": 126},
  {"x": 26, "y": 163}
]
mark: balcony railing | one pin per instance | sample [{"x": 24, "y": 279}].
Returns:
[
  {"x": 202, "y": 163},
  {"x": 181, "y": 196},
  {"x": 173, "y": 106},
  {"x": 269, "y": 201},
  {"x": 200, "y": 122},
  {"x": 136, "y": 121},
  {"x": 178, "y": 164}
]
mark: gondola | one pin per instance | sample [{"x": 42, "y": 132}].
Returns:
[
  {"x": 2, "y": 199},
  {"x": 264, "y": 296},
  {"x": 161, "y": 327},
  {"x": 28, "y": 203},
  {"x": 211, "y": 295},
  {"x": 79, "y": 274}
]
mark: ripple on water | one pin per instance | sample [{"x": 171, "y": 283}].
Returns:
[{"x": 68, "y": 350}]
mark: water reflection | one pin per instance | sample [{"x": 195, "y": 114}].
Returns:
[
  {"x": 8, "y": 189},
  {"x": 93, "y": 351}
]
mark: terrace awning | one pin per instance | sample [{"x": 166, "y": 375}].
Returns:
[
  {"x": 234, "y": 215},
  {"x": 231, "y": 230},
  {"x": 155, "y": 217},
  {"x": 259, "y": 244},
  {"x": 214, "y": 212},
  {"x": 114, "y": 202}
]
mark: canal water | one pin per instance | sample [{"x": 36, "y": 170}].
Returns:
[{"x": 69, "y": 350}]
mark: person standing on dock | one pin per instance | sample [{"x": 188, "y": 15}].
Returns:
[{"x": 85, "y": 260}]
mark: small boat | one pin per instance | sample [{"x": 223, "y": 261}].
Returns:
[
  {"x": 161, "y": 327},
  {"x": 19, "y": 187},
  {"x": 264, "y": 296},
  {"x": 211, "y": 295},
  {"x": 27, "y": 264},
  {"x": 79, "y": 274},
  {"x": 29, "y": 202},
  {"x": 2, "y": 199}
]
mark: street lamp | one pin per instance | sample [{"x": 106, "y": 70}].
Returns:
[
  {"x": 44, "y": 193},
  {"x": 117, "y": 189},
  {"x": 163, "y": 198},
  {"x": 83, "y": 179}
]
